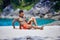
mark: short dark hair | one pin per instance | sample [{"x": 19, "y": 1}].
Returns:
[{"x": 20, "y": 11}]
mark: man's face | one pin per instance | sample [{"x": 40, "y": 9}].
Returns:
[{"x": 21, "y": 14}]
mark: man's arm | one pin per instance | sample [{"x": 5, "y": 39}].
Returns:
[{"x": 13, "y": 23}]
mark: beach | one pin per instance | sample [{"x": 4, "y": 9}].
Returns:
[
  {"x": 45, "y": 12},
  {"x": 49, "y": 33}
]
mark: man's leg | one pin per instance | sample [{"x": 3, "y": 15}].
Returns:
[
  {"x": 36, "y": 27},
  {"x": 32, "y": 19}
]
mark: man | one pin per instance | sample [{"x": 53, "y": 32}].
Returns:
[{"x": 24, "y": 24}]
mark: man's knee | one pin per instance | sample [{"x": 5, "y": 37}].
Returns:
[{"x": 32, "y": 18}]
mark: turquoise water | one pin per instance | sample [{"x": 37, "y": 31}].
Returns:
[{"x": 8, "y": 22}]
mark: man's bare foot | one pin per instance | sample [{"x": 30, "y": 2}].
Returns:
[
  {"x": 13, "y": 28},
  {"x": 42, "y": 28}
]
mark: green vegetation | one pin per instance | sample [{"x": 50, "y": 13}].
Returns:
[
  {"x": 25, "y": 7},
  {"x": 24, "y": 4},
  {"x": 1, "y": 5}
]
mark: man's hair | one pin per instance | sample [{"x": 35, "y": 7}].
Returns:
[{"x": 20, "y": 11}]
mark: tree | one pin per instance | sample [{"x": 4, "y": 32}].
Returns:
[
  {"x": 1, "y": 3},
  {"x": 57, "y": 5}
]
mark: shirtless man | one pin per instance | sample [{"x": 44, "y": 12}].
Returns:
[{"x": 24, "y": 24}]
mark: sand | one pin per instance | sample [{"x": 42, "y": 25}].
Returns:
[{"x": 10, "y": 33}]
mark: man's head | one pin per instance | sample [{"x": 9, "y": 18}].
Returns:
[{"x": 21, "y": 13}]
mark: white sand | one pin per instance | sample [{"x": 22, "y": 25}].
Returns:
[{"x": 49, "y": 31}]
